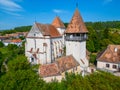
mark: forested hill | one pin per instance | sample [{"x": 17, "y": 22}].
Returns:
[
  {"x": 94, "y": 25},
  {"x": 102, "y": 25},
  {"x": 16, "y": 29}
]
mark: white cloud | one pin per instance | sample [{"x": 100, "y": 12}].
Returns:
[
  {"x": 18, "y": 0},
  {"x": 10, "y": 6},
  {"x": 12, "y": 13},
  {"x": 107, "y": 1},
  {"x": 59, "y": 11}
]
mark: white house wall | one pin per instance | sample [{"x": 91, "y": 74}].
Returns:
[
  {"x": 102, "y": 65},
  {"x": 52, "y": 78}
]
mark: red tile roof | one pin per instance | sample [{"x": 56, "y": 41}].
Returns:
[
  {"x": 16, "y": 40},
  {"x": 12, "y": 35},
  {"x": 49, "y": 70},
  {"x": 66, "y": 63},
  {"x": 48, "y": 30},
  {"x": 58, "y": 23},
  {"x": 111, "y": 54},
  {"x": 4, "y": 37},
  {"x": 76, "y": 25},
  {"x": 62, "y": 64}
]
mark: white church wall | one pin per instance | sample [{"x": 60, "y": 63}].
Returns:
[
  {"x": 44, "y": 54},
  {"x": 56, "y": 46},
  {"x": 34, "y": 32},
  {"x": 78, "y": 50},
  {"x": 61, "y": 31}
]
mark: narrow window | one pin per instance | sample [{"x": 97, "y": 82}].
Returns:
[
  {"x": 107, "y": 65},
  {"x": 76, "y": 68},
  {"x": 34, "y": 34},
  {"x": 114, "y": 66},
  {"x": 32, "y": 59}
]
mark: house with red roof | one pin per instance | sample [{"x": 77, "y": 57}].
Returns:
[
  {"x": 17, "y": 42},
  {"x": 58, "y": 69},
  {"x": 109, "y": 59},
  {"x": 3, "y": 38}
]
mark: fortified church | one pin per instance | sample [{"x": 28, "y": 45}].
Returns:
[{"x": 58, "y": 49}]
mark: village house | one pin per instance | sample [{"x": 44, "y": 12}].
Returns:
[
  {"x": 58, "y": 69},
  {"x": 12, "y": 35},
  {"x": 22, "y": 34},
  {"x": 17, "y": 42},
  {"x": 17, "y": 35},
  {"x": 3, "y": 38},
  {"x": 109, "y": 59}
]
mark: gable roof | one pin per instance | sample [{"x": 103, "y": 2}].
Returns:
[
  {"x": 4, "y": 37},
  {"x": 12, "y": 41},
  {"x": 110, "y": 54},
  {"x": 62, "y": 64},
  {"x": 48, "y": 30},
  {"x": 16, "y": 40},
  {"x": 49, "y": 70},
  {"x": 66, "y": 63},
  {"x": 58, "y": 23},
  {"x": 76, "y": 25}
]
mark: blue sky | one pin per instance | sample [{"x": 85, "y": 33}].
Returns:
[{"x": 25, "y": 12}]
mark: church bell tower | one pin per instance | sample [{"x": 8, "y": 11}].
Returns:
[{"x": 76, "y": 36}]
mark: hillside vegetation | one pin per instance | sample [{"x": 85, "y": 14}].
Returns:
[
  {"x": 22, "y": 76},
  {"x": 16, "y": 29}
]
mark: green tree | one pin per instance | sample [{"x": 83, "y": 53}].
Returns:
[
  {"x": 1, "y": 44},
  {"x": 106, "y": 33},
  {"x": 90, "y": 46},
  {"x": 18, "y": 63},
  {"x": 115, "y": 37},
  {"x": 104, "y": 43}
]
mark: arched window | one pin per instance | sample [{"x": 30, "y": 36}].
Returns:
[
  {"x": 71, "y": 36},
  {"x": 34, "y": 34},
  {"x": 32, "y": 59}
]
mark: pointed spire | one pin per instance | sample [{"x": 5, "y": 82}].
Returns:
[
  {"x": 76, "y": 25},
  {"x": 58, "y": 23}
]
